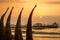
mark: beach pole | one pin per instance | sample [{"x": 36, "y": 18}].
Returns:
[
  {"x": 18, "y": 32},
  {"x": 2, "y": 28},
  {"x": 8, "y": 29},
  {"x": 29, "y": 26}
]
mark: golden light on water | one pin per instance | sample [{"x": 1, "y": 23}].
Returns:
[{"x": 41, "y": 36}]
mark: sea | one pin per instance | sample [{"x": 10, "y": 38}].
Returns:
[{"x": 42, "y": 34}]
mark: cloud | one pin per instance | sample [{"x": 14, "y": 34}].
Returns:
[{"x": 56, "y": 2}]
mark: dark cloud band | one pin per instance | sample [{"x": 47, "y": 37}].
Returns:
[{"x": 57, "y": 2}]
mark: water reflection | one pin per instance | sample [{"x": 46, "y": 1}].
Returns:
[{"x": 43, "y": 36}]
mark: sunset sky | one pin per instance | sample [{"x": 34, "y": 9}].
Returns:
[{"x": 45, "y": 8}]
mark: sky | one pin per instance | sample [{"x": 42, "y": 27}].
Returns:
[{"x": 45, "y": 8}]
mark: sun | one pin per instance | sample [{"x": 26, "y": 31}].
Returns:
[{"x": 41, "y": 17}]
